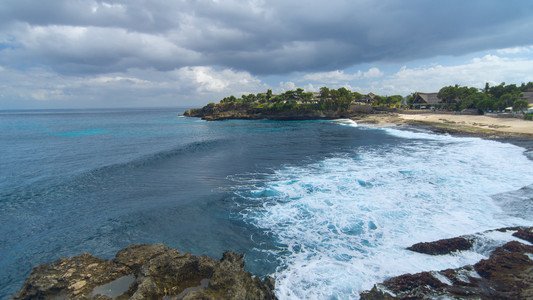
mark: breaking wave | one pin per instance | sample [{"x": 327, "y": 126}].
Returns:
[{"x": 343, "y": 223}]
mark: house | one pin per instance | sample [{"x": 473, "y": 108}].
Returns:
[
  {"x": 369, "y": 98},
  {"x": 426, "y": 101},
  {"x": 315, "y": 98}
]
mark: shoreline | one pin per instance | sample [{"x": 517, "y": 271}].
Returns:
[{"x": 515, "y": 131}]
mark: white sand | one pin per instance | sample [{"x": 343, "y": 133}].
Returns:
[{"x": 511, "y": 125}]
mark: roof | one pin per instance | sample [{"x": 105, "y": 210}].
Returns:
[
  {"x": 370, "y": 96},
  {"x": 429, "y": 98}
]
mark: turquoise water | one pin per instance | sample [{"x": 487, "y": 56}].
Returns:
[{"x": 326, "y": 207}]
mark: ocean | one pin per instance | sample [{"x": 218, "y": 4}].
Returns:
[{"x": 325, "y": 207}]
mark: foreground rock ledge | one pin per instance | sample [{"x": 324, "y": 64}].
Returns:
[{"x": 146, "y": 272}]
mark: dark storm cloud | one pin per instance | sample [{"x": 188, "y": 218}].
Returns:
[{"x": 262, "y": 37}]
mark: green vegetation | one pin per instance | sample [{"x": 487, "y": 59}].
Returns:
[
  {"x": 327, "y": 99},
  {"x": 453, "y": 98},
  {"x": 490, "y": 98}
]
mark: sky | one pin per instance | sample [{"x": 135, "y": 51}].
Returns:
[{"x": 180, "y": 53}]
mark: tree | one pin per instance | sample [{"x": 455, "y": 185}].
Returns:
[
  {"x": 335, "y": 94},
  {"x": 487, "y": 88},
  {"x": 357, "y": 96},
  {"x": 509, "y": 99},
  {"x": 306, "y": 97},
  {"x": 486, "y": 104},
  {"x": 269, "y": 94},
  {"x": 448, "y": 94},
  {"x": 324, "y": 93},
  {"x": 498, "y": 90},
  {"x": 520, "y": 105}
]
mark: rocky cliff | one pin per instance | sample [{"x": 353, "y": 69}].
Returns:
[
  {"x": 146, "y": 272},
  {"x": 224, "y": 111}
]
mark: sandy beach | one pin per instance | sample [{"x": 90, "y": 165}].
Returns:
[
  {"x": 485, "y": 126},
  {"x": 511, "y": 125}
]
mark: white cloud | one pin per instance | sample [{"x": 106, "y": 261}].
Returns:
[
  {"x": 474, "y": 73},
  {"x": 285, "y": 86},
  {"x": 74, "y": 49},
  {"x": 332, "y": 77},
  {"x": 207, "y": 79},
  {"x": 515, "y": 50},
  {"x": 373, "y": 73},
  {"x": 47, "y": 94},
  {"x": 340, "y": 77},
  {"x": 121, "y": 79},
  {"x": 190, "y": 86}
]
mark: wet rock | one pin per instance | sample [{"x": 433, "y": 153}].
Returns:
[
  {"x": 509, "y": 270},
  {"x": 146, "y": 272},
  {"x": 506, "y": 274},
  {"x": 525, "y": 234},
  {"x": 445, "y": 246}
]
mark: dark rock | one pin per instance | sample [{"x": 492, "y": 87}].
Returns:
[
  {"x": 507, "y": 274},
  {"x": 159, "y": 272},
  {"x": 509, "y": 271},
  {"x": 445, "y": 246},
  {"x": 525, "y": 234}
]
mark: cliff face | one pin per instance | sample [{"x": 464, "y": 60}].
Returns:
[
  {"x": 146, "y": 272},
  {"x": 224, "y": 111}
]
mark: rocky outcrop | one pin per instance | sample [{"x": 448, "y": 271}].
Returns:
[
  {"x": 225, "y": 111},
  {"x": 506, "y": 274},
  {"x": 146, "y": 272},
  {"x": 525, "y": 234},
  {"x": 441, "y": 247}
]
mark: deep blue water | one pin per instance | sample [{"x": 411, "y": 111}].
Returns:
[{"x": 309, "y": 202}]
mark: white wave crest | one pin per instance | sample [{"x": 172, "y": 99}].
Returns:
[
  {"x": 346, "y": 122},
  {"x": 344, "y": 222}
]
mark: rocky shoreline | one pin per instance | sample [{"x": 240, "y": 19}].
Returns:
[
  {"x": 159, "y": 272},
  {"x": 506, "y": 274},
  {"x": 365, "y": 114},
  {"x": 228, "y": 111},
  {"x": 146, "y": 272}
]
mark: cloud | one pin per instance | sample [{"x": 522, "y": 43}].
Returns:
[
  {"x": 85, "y": 52},
  {"x": 489, "y": 68},
  {"x": 187, "y": 86},
  {"x": 331, "y": 77},
  {"x": 373, "y": 73},
  {"x": 69, "y": 49},
  {"x": 206, "y": 80},
  {"x": 285, "y": 86},
  {"x": 260, "y": 37},
  {"x": 339, "y": 76},
  {"x": 515, "y": 50}
]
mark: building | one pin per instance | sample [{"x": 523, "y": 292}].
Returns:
[
  {"x": 426, "y": 101},
  {"x": 369, "y": 98}
]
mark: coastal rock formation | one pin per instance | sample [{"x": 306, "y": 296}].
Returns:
[
  {"x": 506, "y": 274},
  {"x": 225, "y": 111},
  {"x": 146, "y": 272},
  {"x": 525, "y": 234},
  {"x": 441, "y": 247}
]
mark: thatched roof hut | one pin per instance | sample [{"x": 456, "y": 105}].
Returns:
[{"x": 426, "y": 100}]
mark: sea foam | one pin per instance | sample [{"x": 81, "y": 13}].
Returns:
[{"x": 343, "y": 223}]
